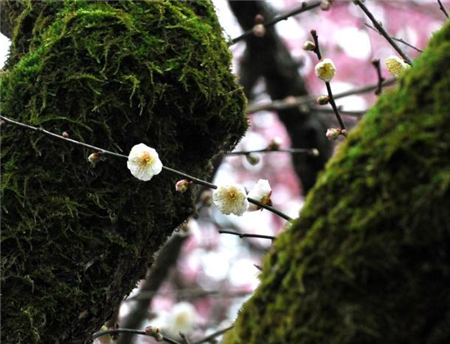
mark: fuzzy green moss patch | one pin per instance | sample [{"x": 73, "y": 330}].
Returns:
[
  {"x": 76, "y": 238},
  {"x": 368, "y": 261}
]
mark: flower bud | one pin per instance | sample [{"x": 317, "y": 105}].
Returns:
[
  {"x": 325, "y": 5},
  {"x": 275, "y": 144},
  {"x": 259, "y": 19},
  {"x": 259, "y": 30},
  {"x": 395, "y": 66},
  {"x": 323, "y": 100},
  {"x": 65, "y": 134},
  {"x": 182, "y": 185},
  {"x": 94, "y": 158},
  {"x": 314, "y": 152},
  {"x": 325, "y": 70},
  {"x": 206, "y": 198},
  {"x": 333, "y": 133},
  {"x": 253, "y": 159},
  {"x": 309, "y": 46}
]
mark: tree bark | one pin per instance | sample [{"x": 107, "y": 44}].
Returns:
[
  {"x": 368, "y": 261},
  {"x": 76, "y": 238},
  {"x": 267, "y": 57}
]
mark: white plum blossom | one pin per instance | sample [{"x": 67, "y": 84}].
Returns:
[
  {"x": 260, "y": 192},
  {"x": 395, "y": 66},
  {"x": 181, "y": 319},
  {"x": 231, "y": 199},
  {"x": 143, "y": 162},
  {"x": 325, "y": 70}
]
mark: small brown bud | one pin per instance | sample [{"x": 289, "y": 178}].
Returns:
[
  {"x": 275, "y": 144},
  {"x": 259, "y": 19}
]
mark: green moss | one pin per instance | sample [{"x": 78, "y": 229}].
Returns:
[
  {"x": 368, "y": 261},
  {"x": 75, "y": 239}
]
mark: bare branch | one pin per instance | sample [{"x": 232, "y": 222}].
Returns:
[
  {"x": 213, "y": 335},
  {"x": 127, "y": 330},
  {"x": 401, "y": 40},
  {"x": 303, "y": 8},
  {"x": 291, "y": 102},
  {"x": 442, "y": 8},
  {"x": 246, "y": 235},
  {"x": 376, "y": 64},
  {"x": 383, "y": 32}
]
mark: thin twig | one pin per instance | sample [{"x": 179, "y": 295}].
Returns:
[
  {"x": 303, "y": 8},
  {"x": 213, "y": 335},
  {"x": 327, "y": 84},
  {"x": 185, "y": 338},
  {"x": 168, "y": 169},
  {"x": 103, "y": 151},
  {"x": 382, "y": 31},
  {"x": 442, "y": 8},
  {"x": 75, "y": 142},
  {"x": 247, "y": 235},
  {"x": 353, "y": 113},
  {"x": 401, "y": 40},
  {"x": 298, "y": 101},
  {"x": 270, "y": 208},
  {"x": 188, "y": 293},
  {"x": 376, "y": 64},
  {"x": 127, "y": 330}
]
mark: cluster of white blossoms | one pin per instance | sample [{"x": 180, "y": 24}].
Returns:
[
  {"x": 232, "y": 198},
  {"x": 143, "y": 162},
  {"x": 396, "y": 66}
]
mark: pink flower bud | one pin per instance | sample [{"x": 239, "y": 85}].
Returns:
[
  {"x": 259, "y": 19},
  {"x": 182, "y": 185}
]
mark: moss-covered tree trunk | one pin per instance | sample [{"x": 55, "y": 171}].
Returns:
[
  {"x": 76, "y": 238},
  {"x": 368, "y": 261}
]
